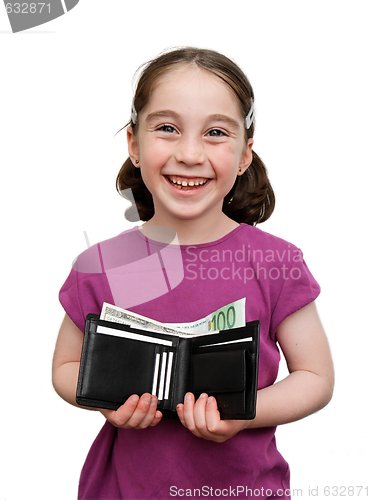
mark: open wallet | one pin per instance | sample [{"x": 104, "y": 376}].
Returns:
[{"x": 118, "y": 361}]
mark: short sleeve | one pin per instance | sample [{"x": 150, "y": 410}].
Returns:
[
  {"x": 298, "y": 289},
  {"x": 86, "y": 287},
  {"x": 70, "y": 300}
]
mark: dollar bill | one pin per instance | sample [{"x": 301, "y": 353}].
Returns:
[
  {"x": 117, "y": 315},
  {"x": 229, "y": 316}
]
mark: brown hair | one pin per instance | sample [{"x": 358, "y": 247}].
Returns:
[{"x": 251, "y": 199}]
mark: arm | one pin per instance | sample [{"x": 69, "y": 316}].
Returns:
[
  {"x": 306, "y": 389},
  {"x": 136, "y": 412},
  {"x": 66, "y": 359},
  {"x": 309, "y": 385}
]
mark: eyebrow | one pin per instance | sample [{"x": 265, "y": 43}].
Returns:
[
  {"x": 161, "y": 114},
  {"x": 215, "y": 117},
  {"x": 223, "y": 118}
]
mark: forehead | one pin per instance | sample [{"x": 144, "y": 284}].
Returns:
[{"x": 188, "y": 85}]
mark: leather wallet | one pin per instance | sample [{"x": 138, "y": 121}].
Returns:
[{"x": 118, "y": 361}]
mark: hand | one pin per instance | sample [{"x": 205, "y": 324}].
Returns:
[
  {"x": 203, "y": 419},
  {"x": 136, "y": 413}
]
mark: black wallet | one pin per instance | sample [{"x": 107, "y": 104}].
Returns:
[{"x": 118, "y": 361}]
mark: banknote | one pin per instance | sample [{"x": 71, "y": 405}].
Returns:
[
  {"x": 116, "y": 314},
  {"x": 229, "y": 316}
]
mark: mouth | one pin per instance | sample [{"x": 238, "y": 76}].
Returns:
[{"x": 187, "y": 183}]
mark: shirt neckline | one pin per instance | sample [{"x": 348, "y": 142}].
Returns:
[{"x": 220, "y": 240}]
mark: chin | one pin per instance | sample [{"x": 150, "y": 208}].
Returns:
[{"x": 186, "y": 217}]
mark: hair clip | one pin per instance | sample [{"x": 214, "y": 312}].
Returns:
[
  {"x": 249, "y": 117},
  {"x": 133, "y": 114}
]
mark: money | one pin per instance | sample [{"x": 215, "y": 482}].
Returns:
[
  {"x": 229, "y": 316},
  {"x": 117, "y": 315}
]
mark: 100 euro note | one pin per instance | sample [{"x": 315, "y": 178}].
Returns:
[{"x": 229, "y": 316}]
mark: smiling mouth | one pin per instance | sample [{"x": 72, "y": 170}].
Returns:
[{"x": 183, "y": 183}]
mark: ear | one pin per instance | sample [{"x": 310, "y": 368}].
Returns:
[
  {"x": 247, "y": 157},
  {"x": 133, "y": 148}
]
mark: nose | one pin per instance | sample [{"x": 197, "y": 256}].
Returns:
[{"x": 189, "y": 150}]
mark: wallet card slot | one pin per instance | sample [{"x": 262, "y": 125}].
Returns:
[
  {"x": 228, "y": 342},
  {"x": 156, "y": 374},
  {"x": 132, "y": 336},
  {"x": 218, "y": 371},
  {"x": 163, "y": 365},
  {"x": 168, "y": 375}
]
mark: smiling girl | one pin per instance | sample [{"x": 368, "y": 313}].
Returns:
[{"x": 192, "y": 169}]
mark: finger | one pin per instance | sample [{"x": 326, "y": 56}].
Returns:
[
  {"x": 188, "y": 410},
  {"x": 121, "y": 416},
  {"x": 157, "y": 418},
  {"x": 188, "y": 413},
  {"x": 180, "y": 413},
  {"x": 150, "y": 415},
  {"x": 212, "y": 416},
  {"x": 199, "y": 413},
  {"x": 141, "y": 411}
]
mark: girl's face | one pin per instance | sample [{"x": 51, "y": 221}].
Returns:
[{"x": 190, "y": 144}]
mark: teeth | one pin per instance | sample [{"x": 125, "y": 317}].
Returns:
[{"x": 197, "y": 182}]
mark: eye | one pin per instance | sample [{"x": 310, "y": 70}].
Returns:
[
  {"x": 169, "y": 129},
  {"x": 216, "y": 132}
]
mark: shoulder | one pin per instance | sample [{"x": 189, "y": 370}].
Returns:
[
  {"x": 257, "y": 239},
  {"x": 109, "y": 252}
]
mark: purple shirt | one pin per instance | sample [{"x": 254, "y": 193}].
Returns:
[{"x": 182, "y": 283}]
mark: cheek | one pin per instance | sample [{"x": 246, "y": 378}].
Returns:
[
  {"x": 225, "y": 154},
  {"x": 155, "y": 153},
  {"x": 149, "y": 179}
]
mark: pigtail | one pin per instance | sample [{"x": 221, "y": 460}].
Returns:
[
  {"x": 251, "y": 199},
  {"x": 129, "y": 177}
]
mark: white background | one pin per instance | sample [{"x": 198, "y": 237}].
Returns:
[{"x": 65, "y": 90}]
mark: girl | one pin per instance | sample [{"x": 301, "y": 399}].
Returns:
[{"x": 192, "y": 169}]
